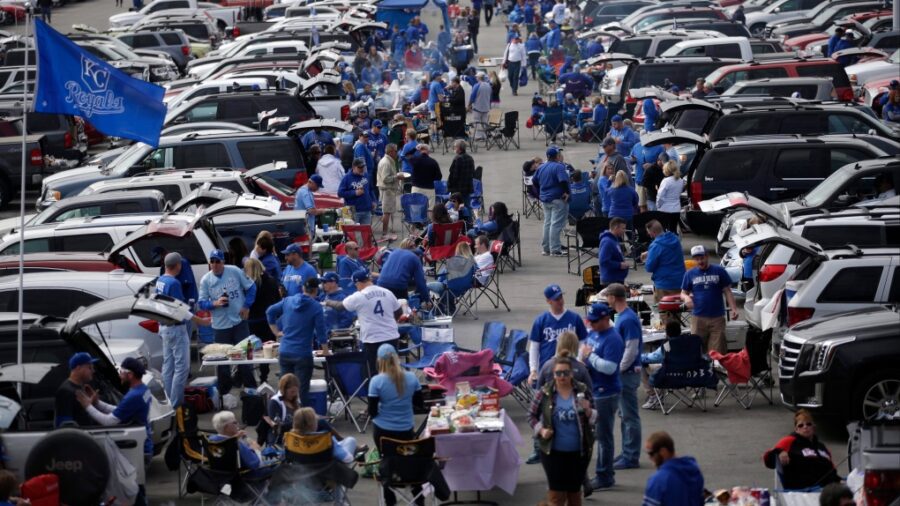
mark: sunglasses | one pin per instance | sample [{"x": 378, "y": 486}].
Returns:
[
  {"x": 214, "y": 261},
  {"x": 562, "y": 374},
  {"x": 804, "y": 424}
]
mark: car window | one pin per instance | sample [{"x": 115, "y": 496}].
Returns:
[
  {"x": 256, "y": 153},
  {"x": 894, "y": 293},
  {"x": 731, "y": 164},
  {"x": 188, "y": 246},
  {"x": 834, "y": 71},
  {"x": 43, "y": 122},
  {"x": 125, "y": 208},
  {"x": 59, "y": 302},
  {"x": 255, "y": 52},
  {"x": 843, "y": 156},
  {"x": 762, "y": 48},
  {"x": 888, "y": 42},
  {"x": 144, "y": 40},
  {"x": 77, "y": 213},
  {"x": 158, "y": 158},
  {"x": 725, "y": 51},
  {"x": 84, "y": 242},
  {"x": 634, "y": 47},
  {"x": 31, "y": 246},
  {"x": 693, "y": 51},
  {"x": 801, "y": 164},
  {"x": 196, "y": 30},
  {"x": 286, "y": 106},
  {"x": 171, "y": 39},
  {"x": 735, "y": 125},
  {"x": 228, "y": 184},
  {"x": 236, "y": 109},
  {"x": 790, "y": 5},
  {"x": 847, "y": 124},
  {"x": 616, "y": 9},
  {"x": 190, "y": 156},
  {"x": 852, "y": 285},
  {"x": 205, "y": 111},
  {"x": 171, "y": 192},
  {"x": 663, "y": 45},
  {"x": 284, "y": 50},
  {"x": 807, "y": 91},
  {"x": 693, "y": 121},
  {"x": 830, "y": 237},
  {"x": 803, "y": 124}
]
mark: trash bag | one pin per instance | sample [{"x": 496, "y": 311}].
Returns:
[
  {"x": 122, "y": 483},
  {"x": 523, "y": 77}
]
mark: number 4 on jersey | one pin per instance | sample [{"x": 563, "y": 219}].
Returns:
[{"x": 378, "y": 309}]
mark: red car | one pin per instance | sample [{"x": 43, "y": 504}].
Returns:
[
  {"x": 63, "y": 261},
  {"x": 12, "y": 12},
  {"x": 722, "y": 78},
  {"x": 862, "y": 22}
]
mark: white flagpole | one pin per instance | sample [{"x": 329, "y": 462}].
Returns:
[{"x": 19, "y": 328}]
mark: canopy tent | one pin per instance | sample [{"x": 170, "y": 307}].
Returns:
[{"x": 400, "y": 12}]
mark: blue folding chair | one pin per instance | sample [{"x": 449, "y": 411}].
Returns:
[
  {"x": 457, "y": 297},
  {"x": 349, "y": 379},
  {"x": 430, "y": 353},
  {"x": 476, "y": 198},
  {"x": 685, "y": 375},
  {"x": 514, "y": 364},
  {"x": 441, "y": 193},
  {"x": 553, "y": 125},
  {"x": 415, "y": 211},
  {"x": 493, "y": 337},
  {"x": 579, "y": 201}
]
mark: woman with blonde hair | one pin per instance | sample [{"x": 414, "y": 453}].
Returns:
[
  {"x": 304, "y": 422},
  {"x": 668, "y": 197},
  {"x": 566, "y": 344},
  {"x": 623, "y": 200},
  {"x": 464, "y": 250}
]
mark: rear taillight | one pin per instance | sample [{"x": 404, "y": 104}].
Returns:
[
  {"x": 881, "y": 487},
  {"x": 771, "y": 272},
  {"x": 67, "y": 140},
  {"x": 796, "y": 315},
  {"x": 150, "y": 325},
  {"x": 235, "y": 32},
  {"x": 696, "y": 193},
  {"x": 846, "y": 95},
  {"x": 303, "y": 241},
  {"x": 37, "y": 157},
  {"x": 629, "y": 99},
  {"x": 345, "y": 112},
  {"x": 186, "y": 50}
]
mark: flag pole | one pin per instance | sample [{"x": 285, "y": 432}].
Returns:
[{"x": 19, "y": 329}]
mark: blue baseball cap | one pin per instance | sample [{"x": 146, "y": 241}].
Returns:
[
  {"x": 81, "y": 358},
  {"x": 598, "y": 311},
  {"x": 617, "y": 117},
  {"x": 386, "y": 350},
  {"x": 330, "y": 276},
  {"x": 553, "y": 292},
  {"x": 360, "y": 275},
  {"x": 377, "y": 123},
  {"x": 435, "y": 74},
  {"x": 292, "y": 248},
  {"x": 217, "y": 254},
  {"x": 553, "y": 151},
  {"x": 315, "y": 178}
]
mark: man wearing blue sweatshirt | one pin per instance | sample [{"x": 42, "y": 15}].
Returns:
[
  {"x": 613, "y": 267},
  {"x": 297, "y": 271},
  {"x": 677, "y": 481},
  {"x": 551, "y": 39},
  {"x": 299, "y": 322},
  {"x": 628, "y": 325},
  {"x": 361, "y": 151},
  {"x": 331, "y": 290},
  {"x": 651, "y": 114},
  {"x": 347, "y": 264},
  {"x": 602, "y": 352},
  {"x": 552, "y": 183},
  {"x": 544, "y": 333},
  {"x": 402, "y": 269},
  {"x": 623, "y": 136},
  {"x": 228, "y": 293},
  {"x": 356, "y": 190},
  {"x": 664, "y": 260}
]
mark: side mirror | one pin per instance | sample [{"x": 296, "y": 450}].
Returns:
[{"x": 776, "y": 10}]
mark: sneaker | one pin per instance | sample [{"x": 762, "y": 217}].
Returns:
[
  {"x": 624, "y": 464},
  {"x": 534, "y": 458},
  {"x": 545, "y": 253},
  {"x": 557, "y": 254},
  {"x": 586, "y": 487},
  {"x": 651, "y": 403},
  {"x": 597, "y": 484}
]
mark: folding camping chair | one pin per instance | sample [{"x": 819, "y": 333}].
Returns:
[
  {"x": 435, "y": 342},
  {"x": 415, "y": 211},
  {"x": 510, "y": 254},
  {"x": 736, "y": 371},
  {"x": 509, "y": 134},
  {"x": 493, "y": 337},
  {"x": 476, "y": 198},
  {"x": 490, "y": 287},
  {"x": 452, "y": 127},
  {"x": 590, "y": 278},
  {"x": 446, "y": 237},
  {"x": 638, "y": 240},
  {"x": 441, "y": 193},
  {"x": 363, "y": 236},
  {"x": 221, "y": 475},
  {"x": 188, "y": 443},
  {"x": 310, "y": 474},
  {"x": 685, "y": 375},
  {"x": 531, "y": 204},
  {"x": 349, "y": 376},
  {"x": 485, "y": 132},
  {"x": 409, "y": 465},
  {"x": 457, "y": 297},
  {"x": 579, "y": 200},
  {"x": 583, "y": 244},
  {"x": 514, "y": 366},
  {"x": 554, "y": 126}
]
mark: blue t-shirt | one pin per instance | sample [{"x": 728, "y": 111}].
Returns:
[
  {"x": 607, "y": 345},
  {"x": 628, "y": 325},
  {"x": 335, "y": 319},
  {"x": 303, "y": 201},
  {"x": 346, "y": 266},
  {"x": 395, "y": 411},
  {"x": 551, "y": 178},
  {"x": 565, "y": 425},
  {"x": 706, "y": 288},
  {"x": 294, "y": 277},
  {"x": 241, "y": 292},
  {"x": 135, "y": 409},
  {"x": 169, "y": 285},
  {"x": 271, "y": 264},
  {"x": 547, "y": 328}
]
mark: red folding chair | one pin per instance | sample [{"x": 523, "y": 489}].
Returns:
[
  {"x": 446, "y": 237},
  {"x": 361, "y": 235}
]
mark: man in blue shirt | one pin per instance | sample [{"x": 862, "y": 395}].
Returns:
[
  {"x": 628, "y": 325},
  {"x": 361, "y": 151},
  {"x": 545, "y": 331},
  {"x": 134, "y": 407},
  {"x": 228, "y": 293},
  {"x": 702, "y": 291},
  {"x": 403, "y": 268},
  {"x": 347, "y": 264},
  {"x": 613, "y": 267},
  {"x": 664, "y": 260},
  {"x": 602, "y": 353},
  {"x": 624, "y": 136},
  {"x": 356, "y": 190},
  {"x": 833, "y": 41},
  {"x": 435, "y": 90},
  {"x": 644, "y": 158},
  {"x": 551, "y": 39},
  {"x": 677, "y": 480},
  {"x": 299, "y": 323},
  {"x": 305, "y": 201},
  {"x": 651, "y": 114},
  {"x": 317, "y": 136},
  {"x": 297, "y": 271},
  {"x": 552, "y": 181},
  {"x": 377, "y": 140},
  {"x": 331, "y": 290}
]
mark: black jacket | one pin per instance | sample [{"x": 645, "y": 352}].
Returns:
[
  {"x": 810, "y": 462},
  {"x": 462, "y": 171},
  {"x": 425, "y": 171}
]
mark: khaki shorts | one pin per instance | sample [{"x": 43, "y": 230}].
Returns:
[
  {"x": 712, "y": 331},
  {"x": 642, "y": 195},
  {"x": 389, "y": 200}
]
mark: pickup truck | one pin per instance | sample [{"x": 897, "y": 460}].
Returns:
[
  {"x": 11, "y": 164},
  {"x": 223, "y": 16}
]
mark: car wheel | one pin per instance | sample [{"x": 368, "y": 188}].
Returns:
[
  {"x": 758, "y": 30},
  {"x": 6, "y": 193},
  {"x": 878, "y": 394}
]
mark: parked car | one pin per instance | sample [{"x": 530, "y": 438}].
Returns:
[
  {"x": 844, "y": 364},
  {"x": 779, "y": 10},
  {"x": 11, "y": 170},
  {"x": 721, "y": 47},
  {"x": 648, "y": 44},
  {"x": 64, "y": 135},
  {"x": 200, "y": 31},
  {"x": 819, "y": 21},
  {"x": 874, "y": 457},
  {"x": 242, "y": 108},
  {"x": 176, "y": 96},
  {"x": 173, "y": 42},
  {"x": 726, "y": 27},
  {"x": 876, "y": 70},
  {"x": 160, "y": 69},
  {"x": 63, "y": 261},
  {"x": 724, "y": 77},
  {"x": 599, "y": 13},
  {"x": 223, "y": 16},
  {"x": 809, "y": 88}
]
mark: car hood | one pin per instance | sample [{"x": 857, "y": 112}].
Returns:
[
  {"x": 8, "y": 224},
  {"x": 125, "y": 18},
  {"x": 88, "y": 174},
  {"x": 798, "y": 27}
]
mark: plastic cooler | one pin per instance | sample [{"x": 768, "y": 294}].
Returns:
[{"x": 318, "y": 395}]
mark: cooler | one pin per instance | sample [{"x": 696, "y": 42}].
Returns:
[{"x": 318, "y": 395}]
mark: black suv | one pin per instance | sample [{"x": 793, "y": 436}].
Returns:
[
  {"x": 65, "y": 136},
  {"x": 845, "y": 365},
  {"x": 770, "y": 168},
  {"x": 737, "y": 117},
  {"x": 242, "y": 108}
]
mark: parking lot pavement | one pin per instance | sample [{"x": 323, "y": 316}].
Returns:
[{"x": 728, "y": 441}]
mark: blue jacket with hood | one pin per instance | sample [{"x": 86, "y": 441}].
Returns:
[
  {"x": 678, "y": 482},
  {"x": 611, "y": 259},
  {"x": 665, "y": 261},
  {"x": 302, "y": 320}
]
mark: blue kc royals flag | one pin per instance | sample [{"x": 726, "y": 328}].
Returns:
[{"x": 72, "y": 81}]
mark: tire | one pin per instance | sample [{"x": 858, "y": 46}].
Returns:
[
  {"x": 6, "y": 193},
  {"x": 877, "y": 393},
  {"x": 757, "y": 30},
  {"x": 78, "y": 460}
]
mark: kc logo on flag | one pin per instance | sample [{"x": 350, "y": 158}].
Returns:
[{"x": 95, "y": 99}]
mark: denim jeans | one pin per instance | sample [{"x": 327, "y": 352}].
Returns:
[
  {"x": 233, "y": 335},
  {"x": 606, "y": 445},
  {"x": 631, "y": 418},
  {"x": 302, "y": 368},
  {"x": 556, "y": 214},
  {"x": 514, "y": 69},
  {"x": 364, "y": 217},
  {"x": 176, "y": 361}
]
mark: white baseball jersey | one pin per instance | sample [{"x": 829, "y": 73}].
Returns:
[{"x": 375, "y": 308}]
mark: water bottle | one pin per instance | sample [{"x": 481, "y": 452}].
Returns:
[{"x": 579, "y": 401}]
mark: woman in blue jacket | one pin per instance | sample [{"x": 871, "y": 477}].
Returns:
[
  {"x": 664, "y": 261},
  {"x": 623, "y": 200},
  {"x": 604, "y": 181}
]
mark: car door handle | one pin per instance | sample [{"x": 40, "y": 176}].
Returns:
[
  {"x": 777, "y": 189},
  {"x": 126, "y": 444}
]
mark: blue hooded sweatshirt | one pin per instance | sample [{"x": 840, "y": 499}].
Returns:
[
  {"x": 302, "y": 320},
  {"x": 401, "y": 267},
  {"x": 611, "y": 259},
  {"x": 665, "y": 260},
  {"x": 678, "y": 482},
  {"x": 622, "y": 201},
  {"x": 347, "y": 191}
]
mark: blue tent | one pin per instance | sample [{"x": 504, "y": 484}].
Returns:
[{"x": 400, "y": 12}]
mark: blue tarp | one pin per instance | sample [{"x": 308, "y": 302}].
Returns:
[{"x": 400, "y": 12}]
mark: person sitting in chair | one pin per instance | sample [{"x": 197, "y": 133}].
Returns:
[
  {"x": 805, "y": 462},
  {"x": 306, "y": 423},
  {"x": 226, "y": 426}
]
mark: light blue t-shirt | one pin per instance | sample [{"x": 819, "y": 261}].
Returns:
[
  {"x": 233, "y": 282},
  {"x": 395, "y": 411},
  {"x": 303, "y": 201},
  {"x": 293, "y": 277},
  {"x": 565, "y": 425}
]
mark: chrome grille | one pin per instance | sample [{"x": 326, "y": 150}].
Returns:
[{"x": 787, "y": 357}]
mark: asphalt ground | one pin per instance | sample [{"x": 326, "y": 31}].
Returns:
[{"x": 727, "y": 441}]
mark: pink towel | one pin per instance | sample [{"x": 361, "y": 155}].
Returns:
[{"x": 477, "y": 368}]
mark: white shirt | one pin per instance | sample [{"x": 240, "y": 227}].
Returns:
[
  {"x": 515, "y": 52},
  {"x": 374, "y": 307},
  {"x": 668, "y": 197},
  {"x": 331, "y": 170},
  {"x": 483, "y": 261},
  {"x": 558, "y": 13}
]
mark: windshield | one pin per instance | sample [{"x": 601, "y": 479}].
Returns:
[
  {"x": 634, "y": 47},
  {"x": 129, "y": 158},
  {"x": 824, "y": 16},
  {"x": 818, "y": 196}
]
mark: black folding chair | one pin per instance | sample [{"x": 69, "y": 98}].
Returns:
[
  {"x": 188, "y": 443},
  {"x": 638, "y": 240},
  {"x": 511, "y": 251},
  {"x": 685, "y": 375},
  {"x": 349, "y": 375},
  {"x": 221, "y": 474},
  {"x": 509, "y": 134},
  {"x": 584, "y": 243},
  {"x": 531, "y": 204},
  {"x": 310, "y": 474},
  {"x": 406, "y": 467}
]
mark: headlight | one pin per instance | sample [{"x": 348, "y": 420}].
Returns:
[
  {"x": 821, "y": 354},
  {"x": 159, "y": 71}
]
